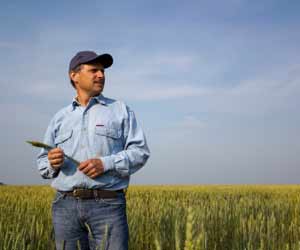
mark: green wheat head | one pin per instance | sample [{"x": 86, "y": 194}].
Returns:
[{"x": 39, "y": 145}]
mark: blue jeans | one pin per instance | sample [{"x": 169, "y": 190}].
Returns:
[{"x": 91, "y": 224}]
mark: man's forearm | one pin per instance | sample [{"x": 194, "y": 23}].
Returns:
[
  {"x": 126, "y": 162},
  {"x": 45, "y": 169}
]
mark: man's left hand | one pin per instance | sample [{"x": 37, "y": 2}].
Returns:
[{"x": 92, "y": 167}]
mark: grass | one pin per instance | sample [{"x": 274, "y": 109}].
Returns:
[{"x": 216, "y": 217}]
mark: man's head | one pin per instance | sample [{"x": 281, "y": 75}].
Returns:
[
  {"x": 87, "y": 58},
  {"x": 89, "y": 80}
]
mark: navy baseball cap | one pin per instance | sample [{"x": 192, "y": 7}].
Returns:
[{"x": 88, "y": 57}]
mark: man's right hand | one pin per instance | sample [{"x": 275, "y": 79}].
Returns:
[{"x": 56, "y": 158}]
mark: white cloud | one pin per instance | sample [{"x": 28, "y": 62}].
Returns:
[
  {"x": 261, "y": 94},
  {"x": 191, "y": 122},
  {"x": 148, "y": 81},
  {"x": 177, "y": 61},
  {"x": 157, "y": 92}
]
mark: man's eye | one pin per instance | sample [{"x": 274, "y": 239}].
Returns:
[{"x": 96, "y": 70}]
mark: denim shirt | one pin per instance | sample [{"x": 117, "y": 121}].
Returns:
[{"x": 105, "y": 129}]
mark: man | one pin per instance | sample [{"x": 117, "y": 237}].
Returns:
[{"x": 89, "y": 209}]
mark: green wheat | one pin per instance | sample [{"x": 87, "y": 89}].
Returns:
[{"x": 47, "y": 147}]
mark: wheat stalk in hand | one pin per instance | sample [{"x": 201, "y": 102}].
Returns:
[{"x": 47, "y": 147}]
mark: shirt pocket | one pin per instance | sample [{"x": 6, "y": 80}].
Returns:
[
  {"x": 108, "y": 132},
  {"x": 107, "y": 140},
  {"x": 64, "y": 141}
]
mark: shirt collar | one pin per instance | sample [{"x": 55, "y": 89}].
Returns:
[{"x": 100, "y": 99}]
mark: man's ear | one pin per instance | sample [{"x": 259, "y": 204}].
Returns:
[{"x": 73, "y": 76}]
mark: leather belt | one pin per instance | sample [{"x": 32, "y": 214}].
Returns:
[{"x": 92, "y": 193}]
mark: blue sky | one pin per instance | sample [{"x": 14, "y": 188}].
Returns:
[{"x": 214, "y": 84}]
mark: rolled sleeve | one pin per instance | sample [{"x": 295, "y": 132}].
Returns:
[{"x": 44, "y": 167}]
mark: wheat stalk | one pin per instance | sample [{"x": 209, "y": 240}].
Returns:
[{"x": 47, "y": 147}]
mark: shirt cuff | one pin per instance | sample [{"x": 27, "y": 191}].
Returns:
[
  {"x": 108, "y": 163},
  {"x": 51, "y": 171}
]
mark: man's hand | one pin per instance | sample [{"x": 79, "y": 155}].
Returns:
[
  {"x": 92, "y": 167},
  {"x": 56, "y": 158}
]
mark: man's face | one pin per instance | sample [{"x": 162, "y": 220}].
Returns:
[{"x": 90, "y": 79}]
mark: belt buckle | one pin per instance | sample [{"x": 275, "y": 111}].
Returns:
[{"x": 76, "y": 192}]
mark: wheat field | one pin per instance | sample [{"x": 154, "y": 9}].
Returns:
[{"x": 210, "y": 217}]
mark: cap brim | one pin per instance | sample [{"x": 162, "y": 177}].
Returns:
[{"x": 105, "y": 59}]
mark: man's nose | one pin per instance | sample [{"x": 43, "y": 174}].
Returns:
[{"x": 100, "y": 74}]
